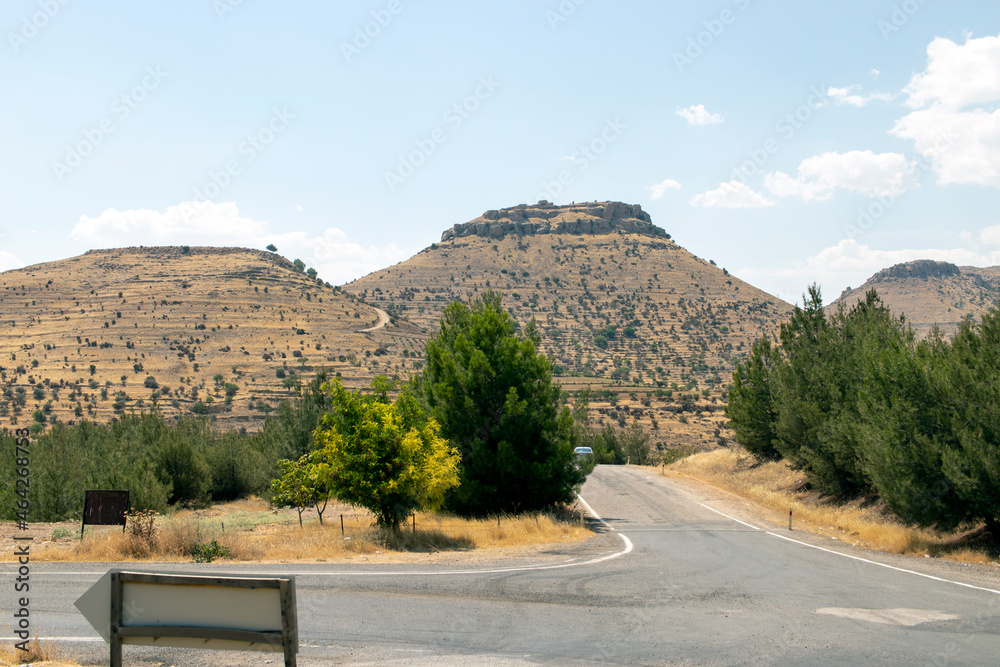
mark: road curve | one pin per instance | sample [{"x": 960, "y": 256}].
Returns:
[
  {"x": 383, "y": 319},
  {"x": 699, "y": 587}
]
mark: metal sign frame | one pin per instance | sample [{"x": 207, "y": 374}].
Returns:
[
  {"x": 287, "y": 638},
  {"x": 96, "y": 513}
]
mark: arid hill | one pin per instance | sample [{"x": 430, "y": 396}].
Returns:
[
  {"x": 932, "y": 293},
  {"x": 116, "y": 330},
  {"x": 623, "y": 309},
  {"x": 653, "y": 330}
]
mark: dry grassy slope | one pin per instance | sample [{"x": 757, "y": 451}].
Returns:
[
  {"x": 185, "y": 317},
  {"x": 692, "y": 321},
  {"x": 931, "y": 293}
]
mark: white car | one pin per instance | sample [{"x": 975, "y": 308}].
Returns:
[{"x": 583, "y": 451}]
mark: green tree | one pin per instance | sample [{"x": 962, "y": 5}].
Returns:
[
  {"x": 493, "y": 394},
  {"x": 272, "y": 247},
  {"x": 972, "y": 462},
  {"x": 636, "y": 445},
  {"x": 904, "y": 406},
  {"x": 384, "y": 456},
  {"x": 751, "y": 408},
  {"x": 303, "y": 482}
]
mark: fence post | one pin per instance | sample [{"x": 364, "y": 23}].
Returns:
[
  {"x": 789, "y": 518},
  {"x": 341, "y": 525},
  {"x": 414, "y": 523}
]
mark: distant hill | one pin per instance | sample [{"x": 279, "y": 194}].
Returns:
[
  {"x": 932, "y": 293},
  {"x": 654, "y": 331},
  {"x": 117, "y": 330},
  {"x": 622, "y": 308}
]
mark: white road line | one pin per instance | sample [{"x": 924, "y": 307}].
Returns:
[
  {"x": 727, "y": 516},
  {"x": 628, "y": 542},
  {"x": 857, "y": 558},
  {"x": 891, "y": 567},
  {"x": 45, "y": 640}
]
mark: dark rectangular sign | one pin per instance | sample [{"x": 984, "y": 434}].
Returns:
[{"x": 105, "y": 508}]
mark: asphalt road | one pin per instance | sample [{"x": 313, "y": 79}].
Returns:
[{"x": 669, "y": 581}]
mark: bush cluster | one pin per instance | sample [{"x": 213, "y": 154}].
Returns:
[{"x": 162, "y": 463}]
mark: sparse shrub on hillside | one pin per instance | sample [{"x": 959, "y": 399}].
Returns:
[{"x": 150, "y": 382}]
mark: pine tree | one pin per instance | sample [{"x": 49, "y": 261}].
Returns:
[
  {"x": 751, "y": 408},
  {"x": 493, "y": 394}
]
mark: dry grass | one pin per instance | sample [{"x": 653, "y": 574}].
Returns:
[
  {"x": 269, "y": 536},
  {"x": 39, "y": 654},
  {"x": 864, "y": 522}
]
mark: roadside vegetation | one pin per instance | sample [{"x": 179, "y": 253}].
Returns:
[
  {"x": 40, "y": 653},
  {"x": 863, "y": 521},
  {"x": 863, "y": 409},
  {"x": 247, "y": 531},
  {"x": 482, "y": 433}
]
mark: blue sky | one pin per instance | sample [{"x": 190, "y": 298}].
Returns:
[{"x": 790, "y": 142}]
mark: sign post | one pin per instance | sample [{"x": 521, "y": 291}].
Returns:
[
  {"x": 234, "y": 613},
  {"x": 104, "y": 508}
]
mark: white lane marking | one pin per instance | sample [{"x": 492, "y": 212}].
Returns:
[
  {"x": 891, "y": 567},
  {"x": 898, "y": 616},
  {"x": 500, "y": 570},
  {"x": 628, "y": 542},
  {"x": 45, "y": 640},
  {"x": 858, "y": 558},
  {"x": 727, "y": 516}
]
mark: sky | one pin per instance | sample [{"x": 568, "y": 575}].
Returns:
[{"x": 790, "y": 142}]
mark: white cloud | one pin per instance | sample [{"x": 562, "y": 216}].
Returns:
[
  {"x": 657, "y": 191},
  {"x": 990, "y": 235},
  {"x": 959, "y": 139},
  {"x": 298, "y": 207},
  {"x": 957, "y": 75},
  {"x": 848, "y": 96},
  {"x": 874, "y": 73},
  {"x": 335, "y": 258},
  {"x": 850, "y": 263},
  {"x": 9, "y": 261},
  {"x": 871, "y": 174},
  {"x": 733, "y": 194},
  {"x": 697, "y": 115}
]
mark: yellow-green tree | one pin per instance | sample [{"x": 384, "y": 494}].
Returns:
[
  {"x": 385, "y": 456},
  {"x": 303, "y": 483}
]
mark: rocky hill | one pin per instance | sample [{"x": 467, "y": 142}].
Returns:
[
  {"x": 227, "y": 331},
  {"x": 547, "y": 218},
  {"x": 654, "y": 331},
  {"x": 932, "y": 293}
]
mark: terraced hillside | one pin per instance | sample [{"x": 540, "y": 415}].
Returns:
[
  {"x": 225, "y": 331},
  {"x": 652, "y": 329},
  {"x": 932, "y": 293}
]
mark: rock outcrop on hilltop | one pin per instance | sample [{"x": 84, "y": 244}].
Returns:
[
  {"x": 547, "y": 218},
  {"x": 921, "y": 268}
]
